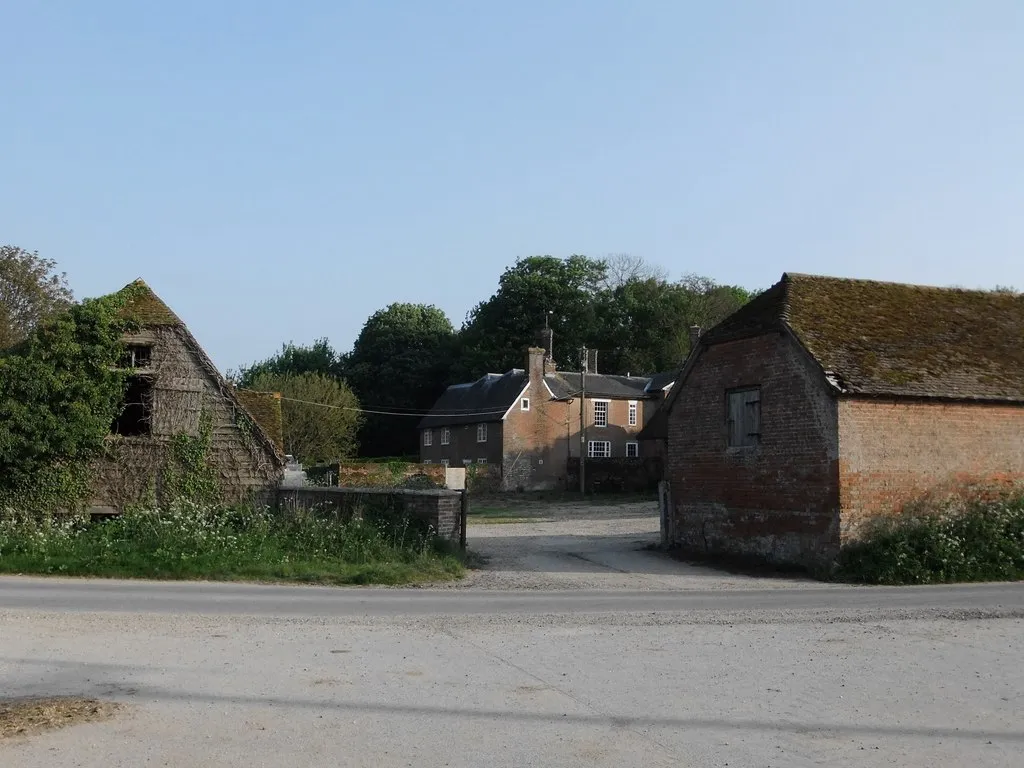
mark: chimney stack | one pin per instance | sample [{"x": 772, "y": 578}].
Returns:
[{"x": 695, "y": 332}]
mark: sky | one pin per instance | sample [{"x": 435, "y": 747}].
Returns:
[{"x": 279, "y": 171}]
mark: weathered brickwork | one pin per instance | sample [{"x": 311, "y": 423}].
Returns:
[
  {"x": 892, "y": 453},
  {"x": 778, "y": 500}
]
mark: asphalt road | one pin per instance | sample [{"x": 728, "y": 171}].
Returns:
[
  {"x": 244, "y": 676},
  {"x": 210, "y": 598}
]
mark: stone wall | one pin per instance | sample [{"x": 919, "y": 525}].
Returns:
[
  {"x": 897, "y": 452},
  {"x": 440, "y": 510},
  {"x": 640, "y": 475},
  {"x": 776, "y": 501}
]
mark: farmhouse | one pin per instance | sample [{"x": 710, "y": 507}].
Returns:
[
  {"x": 527, "y": 421},
  {"x": 826, "y": 402},
  {"x": 175, "y": 399}
]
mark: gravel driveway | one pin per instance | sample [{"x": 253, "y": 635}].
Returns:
[{"x": 584, "y": 546}]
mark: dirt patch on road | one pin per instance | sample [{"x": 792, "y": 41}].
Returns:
[{"x": 28, "y": 716}]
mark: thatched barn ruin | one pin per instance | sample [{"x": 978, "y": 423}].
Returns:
[{"x": 182, "y": 423}]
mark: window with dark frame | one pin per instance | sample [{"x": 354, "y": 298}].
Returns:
[
  {"x": 134, "y": 419},
  {"x": 632, "y": 450},
  {"x": 743, "y": 417}
]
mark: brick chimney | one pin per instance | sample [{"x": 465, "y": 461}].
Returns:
[
  {"x": 536, "y": 363},
  {"x": 546, "y": 341}
]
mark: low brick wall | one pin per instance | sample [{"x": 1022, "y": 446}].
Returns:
[
  {"x": 440, "y": 510},
  {"x": 617, "y": 475}
]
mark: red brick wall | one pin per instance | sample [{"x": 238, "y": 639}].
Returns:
[
  {"x": 535, "y": 440},
  {"x": 779, "y": 500},
  {"x": 892, "y": 453}
]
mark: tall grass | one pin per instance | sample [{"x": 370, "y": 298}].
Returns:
[
  {"x": 192, "y": 541},
  {"x": 958, "y": 542}
]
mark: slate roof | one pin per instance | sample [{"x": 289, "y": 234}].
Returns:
[
  {"x": 894, "y": 339},
  {"x": 567, "y": 384},
  {"x": 661, "y": 380},
  {"x": 485, "y": 399}
]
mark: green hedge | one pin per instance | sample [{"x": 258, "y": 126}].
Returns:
[{"x": 976, "y": 541}]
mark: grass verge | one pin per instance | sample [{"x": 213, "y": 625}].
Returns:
[
  {"x": 959, "y": 542},
  {"x": 24, "y": 717},
  {"x": 190, "y": 541}
]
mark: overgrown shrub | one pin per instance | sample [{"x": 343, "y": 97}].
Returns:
[
  {"x": 193, "y": 540},
  {"x": 60, "y": 390},
  {"x": 960, "y": 542}
]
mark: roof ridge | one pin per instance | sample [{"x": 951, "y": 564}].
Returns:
[{"x": 788, "y": 277}]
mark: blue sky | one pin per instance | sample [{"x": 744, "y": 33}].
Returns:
[{"x": 279, "y": 171}]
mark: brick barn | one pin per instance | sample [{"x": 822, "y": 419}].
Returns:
[{"x": 826, "y": 402}]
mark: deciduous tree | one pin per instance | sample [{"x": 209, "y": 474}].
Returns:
[
  {"x": 401, "y": 361},
  {"x": 31, "y": 291},
  {"x": 320, "y": 415}
]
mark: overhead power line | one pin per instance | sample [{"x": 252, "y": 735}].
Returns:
[{"x": 390, "y": 413}]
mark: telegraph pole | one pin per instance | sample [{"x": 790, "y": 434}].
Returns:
[{"x": 583, "y": 422}]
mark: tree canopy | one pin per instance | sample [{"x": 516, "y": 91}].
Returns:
[
  {"x": 60, "y": 391},
  {"x": 319, "y": 357},
  {"x": 401, "y": 361},
  {"x": 31, "y": 292},
  {"x": 319, "y": 415},
  {"x": 406, "y": 354},
  {"x": 564, "y": 292}
]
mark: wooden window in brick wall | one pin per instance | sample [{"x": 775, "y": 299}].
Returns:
[
  {"x": 632, "y": 450},
  {"x": 446, "y": 435},
  {"x": 428, "y": 437},
  {"x": 632, "y": 413},
  {"x": 743, "y": 417},
  {"x": 481, "y": 433},
  {"x": 599, "y": 449},
  {"x": 600, "y": 413}
]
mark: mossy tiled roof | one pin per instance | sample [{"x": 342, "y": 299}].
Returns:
[
  {"x": 265, "y": 408},
  {"x": 145, "y": 307},
  {"x": 877, "y": 338}
]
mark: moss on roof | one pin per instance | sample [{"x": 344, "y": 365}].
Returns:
[
  {"x": 879, "y": 338},
  {"x": 265, "y": 408},
  {"x": 145, "y": 307}
]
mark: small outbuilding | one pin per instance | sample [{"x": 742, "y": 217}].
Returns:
[{"x": 825, "y": 402}]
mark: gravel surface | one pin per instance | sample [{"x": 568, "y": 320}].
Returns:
[{"x": 583, "y": 547}]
